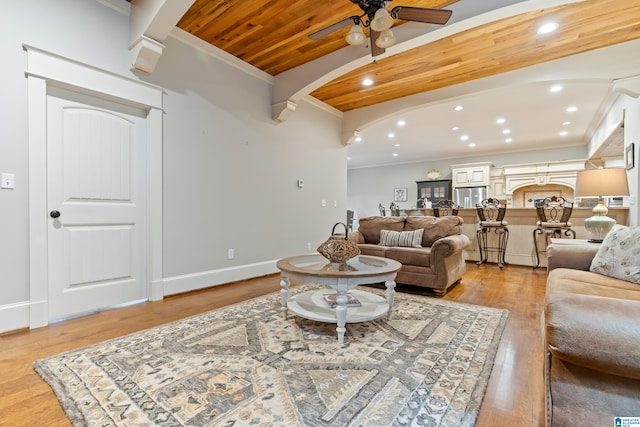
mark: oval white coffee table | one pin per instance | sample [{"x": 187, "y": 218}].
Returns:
[{"x": 360, "y": 270}]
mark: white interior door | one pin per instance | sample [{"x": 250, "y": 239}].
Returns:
[{"x": 97, "y": 180}]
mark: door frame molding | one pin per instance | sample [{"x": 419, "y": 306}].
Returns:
[{"x": 46, "y": 69}]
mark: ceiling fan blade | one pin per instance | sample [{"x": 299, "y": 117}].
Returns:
[
  {"x": 421, "y": 14},
  {"x": 375, "y": 50},
  {"x": 330, "y": 29}
]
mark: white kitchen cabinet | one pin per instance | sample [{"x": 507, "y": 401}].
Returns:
[{"x": 471, "y": 175}]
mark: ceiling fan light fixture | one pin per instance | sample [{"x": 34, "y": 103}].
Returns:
[
  {"x": 382, "y": 20},
  {"x": 386, "y": 39},
  {"x": 356, "y": 35}
]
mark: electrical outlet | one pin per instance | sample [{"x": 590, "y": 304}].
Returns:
[
  {"x": 309, "y": 247},
  {"x": 7, "y": 180},
  {"x": 323, "y": 203},
  {"x": 230, "y": 254}
]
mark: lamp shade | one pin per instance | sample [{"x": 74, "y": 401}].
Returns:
[
  {"x": 599, "y": 183},
  {"x": 355, "y": 36},
  {"x": 602, "y": 182},
  {"x": 386, "y": 39},
  {"x": 382, "y": 20}
]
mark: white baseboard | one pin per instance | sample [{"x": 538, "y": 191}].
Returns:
[
  {"x": 27, "y": 314},
  {"x": 14, "y": 316},
  {"x": 205, "y": 279},
  {"x": 515, "y": 259}
]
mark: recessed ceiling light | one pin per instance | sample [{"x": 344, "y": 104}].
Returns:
[
  {"x": 367, "y": 82},
  {"x": 391, "y": 135},
  {"x": 473, "y": 144},
  {"x": 555, "y": 88},
  {"x": 572, "y": 109},
  {"x": 548, "y": 27},
  {"x": 395, "y": 154},
  {"x": 401, "y": 123},
  {"x": 459, "y": 108},
  {"x": 564, "y": 133},
  {"x": 566, "y": 123},
  {"x": 358, "y": 138},
  {"x": 396, "y": 145},
  {"x": 500, "y": 120},
  {"x": 508, "y": 140},
  {"x": 455, "y": 128},
  {"x": 464, "y": 137},
  {"x": 506, "y": 131}
]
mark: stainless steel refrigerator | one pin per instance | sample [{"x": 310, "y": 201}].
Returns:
[{"x": 468, "y": 197}]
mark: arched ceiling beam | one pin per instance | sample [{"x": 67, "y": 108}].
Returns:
[
  {"x": 295, "y": 84},
  {"x": 150, "y": 22}
]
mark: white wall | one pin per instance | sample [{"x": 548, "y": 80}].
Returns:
[
  {"x": 632, "y": 135},
  {"x": 627, "y": 108},
  {"x": 229, "y": 174},
  {"x": 366, "y": 187}
]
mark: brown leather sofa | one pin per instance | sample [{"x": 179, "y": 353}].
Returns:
[
  {"x": 592, "y": 342},
  {"x": 437, "y": 264}
]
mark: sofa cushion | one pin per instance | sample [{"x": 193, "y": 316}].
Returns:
[
  {"x": 619, "y": 254},
  {"x": 410, "y": 256},
  {"x": 373, "y": 250},
  {"x": 370, "y": 227},
  {"x": 580, "y": 282},
  {"x": 407, "y": 239},
  {"x": 435, "y": 228}
]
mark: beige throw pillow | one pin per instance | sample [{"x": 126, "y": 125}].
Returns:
[
  {"x": 407, "y": 239},
  {"x": 619, "y": 254}
]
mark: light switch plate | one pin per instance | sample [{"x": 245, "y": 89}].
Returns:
[{"x": 7, "y": 180}]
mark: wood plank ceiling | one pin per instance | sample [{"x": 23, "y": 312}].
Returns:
[{"x": 272, "y": 35}]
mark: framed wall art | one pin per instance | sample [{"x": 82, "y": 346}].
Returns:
[
  {"x": 629, "y": 159},
  {"x": 400, "y": 194}
]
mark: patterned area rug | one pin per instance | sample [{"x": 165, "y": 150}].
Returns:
[{"x": 248, "y": 365}]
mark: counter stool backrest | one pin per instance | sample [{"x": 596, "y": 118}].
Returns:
[
  {"x": 445, "y": 208},
  {"x": 554, "y": 209},
  {"x": 491, "y": 212}
]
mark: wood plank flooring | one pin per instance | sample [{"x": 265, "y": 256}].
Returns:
[{"x": 514, "y": 394}]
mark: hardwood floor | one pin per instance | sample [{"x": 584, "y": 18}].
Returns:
[{"x": 514, "y": 394}]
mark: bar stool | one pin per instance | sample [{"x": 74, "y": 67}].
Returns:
[
  {"x": 445, "y": 208},
  {"x": 553, "y": 221},
  {"x": 491, "y": 216}
]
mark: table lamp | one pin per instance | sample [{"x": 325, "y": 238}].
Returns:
[{"x": 601, "y": 183}]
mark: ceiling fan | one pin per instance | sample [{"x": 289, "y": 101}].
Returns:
[{"x": 379, "y": 21}]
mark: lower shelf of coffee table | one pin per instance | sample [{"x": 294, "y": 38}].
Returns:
[{"x": 313, "y": 306}]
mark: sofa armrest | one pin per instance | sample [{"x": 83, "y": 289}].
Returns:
[
  {"x": 577, "y": 257},
  {"x": 447, "y": 246},
  {"x": 596, "y": 332}
]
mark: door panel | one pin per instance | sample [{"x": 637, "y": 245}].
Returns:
[
  {"x": 96, "y": 171},
  {"x": 103, "y": 253}
]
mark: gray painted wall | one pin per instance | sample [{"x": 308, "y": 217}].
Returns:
[{"x": 229, "y": 170}]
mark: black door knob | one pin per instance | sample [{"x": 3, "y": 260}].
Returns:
[{"x": 54, "y": 214}]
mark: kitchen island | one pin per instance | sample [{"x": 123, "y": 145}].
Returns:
[{"x": 522, "y": 221}]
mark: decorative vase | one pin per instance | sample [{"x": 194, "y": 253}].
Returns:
[{"x": 338, "y": 248}]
